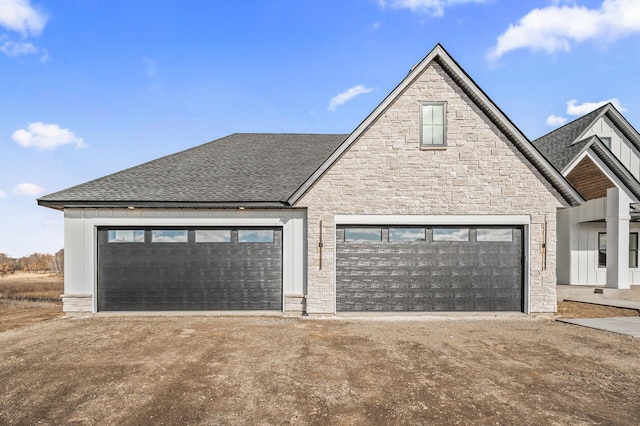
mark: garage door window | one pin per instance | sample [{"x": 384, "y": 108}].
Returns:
[
  {"x": 126, "y": 236},
  {"x": 450, "y": 234},
  {"x": 255, "y": 236},
  {"x": 494, "y": 234},
  {"x": 170, "y": 236},
  {"x": 213, "y": 236},
  {"x": 407, "y": 234},
  {"x": 363, "y": 234}
]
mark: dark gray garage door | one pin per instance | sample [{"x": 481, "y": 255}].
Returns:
[
  {"x": 156, "y": 269},
  {"x": 420, "y": 268}
]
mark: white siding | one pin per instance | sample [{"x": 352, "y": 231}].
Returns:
[
  {"x": 620, "y": 146},
  {"x": 584, "y": 256}
]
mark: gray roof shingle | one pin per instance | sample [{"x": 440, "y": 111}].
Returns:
[
  {"x": 558, "y": 146},
  {"x": 239, "y": 168}
]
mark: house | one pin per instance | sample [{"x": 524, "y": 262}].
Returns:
[
  {"x": 435, "y": 202},
  {"x": 599, "y": 154}
]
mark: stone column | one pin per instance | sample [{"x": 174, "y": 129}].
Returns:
[{"x": 617, "y": 239}]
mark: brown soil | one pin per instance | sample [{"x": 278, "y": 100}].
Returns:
[
  {"x": 203, "y": 370},
  {"x": 121, "y": 370},
  {"x": 588, "y": 310}
]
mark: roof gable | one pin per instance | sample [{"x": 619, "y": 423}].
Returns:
[
  {"x": 589, "y": 180},
  {"x": 239, "y": 169},
  {"x": 563, "y": 145},
  {"x": 481, "y": 100},
  {"x": 566, "y": 146}
]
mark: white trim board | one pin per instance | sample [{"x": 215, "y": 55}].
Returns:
[{"x": 433, "y": 220}]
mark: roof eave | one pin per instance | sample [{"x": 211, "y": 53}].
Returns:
[{"x": 61, "y": 205}]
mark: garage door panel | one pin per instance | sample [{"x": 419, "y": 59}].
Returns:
[
  {"x": 190, "y": 275},
  {"x": 431, "y": 275}
]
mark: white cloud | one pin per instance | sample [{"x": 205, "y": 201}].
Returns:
[
  {"x": 21, "y": 16},
  {"x": 347, "y": 95},
  {"x": 11, "y": 48},
  {"x": 555, "y": 121},
  {"x": 428, "y": 7},
  {"x": 2, "y": 194},
  {"x": 29, "y": 189},
  {"x": 555, "y": 28},
  {"x": 573, "y": 108},
  {"x": 46, "y": 136}
]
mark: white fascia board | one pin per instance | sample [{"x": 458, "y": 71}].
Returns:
[
  {"x": 612, "y": 177},
  {"x": 182, "y": 221},
  {"x": 432, "y": 219}
]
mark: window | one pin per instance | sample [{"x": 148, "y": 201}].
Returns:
[
  {"x": 255, "y": 236},
  {"x": 433, "y": 125},
  {"x": 213, "y": 236},
  {"x": 602, "y": 250},
  {"x": 494, "y": 234},
  {"x": 633, "y": 250},
  {"x": 606, "y": 141},
  {"x": 450, "y": 234},
  {"x": 169, "y": 236},
  {"x": 407, "y": 234},
  {"x": 126, "y": 236},
  {"x": 363, "y": 234}
]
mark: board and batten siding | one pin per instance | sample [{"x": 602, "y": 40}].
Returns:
[
  {"x": 578, "y": 251},
  {"x": 386, "y": 173},
  {"x": 620, "y": 145},
  {"x": 81, "y": 244}
]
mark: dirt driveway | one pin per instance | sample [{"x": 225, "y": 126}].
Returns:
[{"x": 271, "y": 370}]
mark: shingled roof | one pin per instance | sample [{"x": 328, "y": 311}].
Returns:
[
  {"x": 259, "y": 169},
  {"x": 561, "y": 146}
]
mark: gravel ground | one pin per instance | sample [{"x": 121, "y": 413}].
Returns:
[{"x": 201, "y": 370}]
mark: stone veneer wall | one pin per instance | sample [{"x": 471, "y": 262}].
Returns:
[{"x": 385, "y": 172}]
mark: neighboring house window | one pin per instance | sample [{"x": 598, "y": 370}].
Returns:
[
  {"x": 633, "y": 250},
  {"x": 433, "y": 121},
  {"x": 606, "y": 141},
  {"x": 602, "y": 250}
]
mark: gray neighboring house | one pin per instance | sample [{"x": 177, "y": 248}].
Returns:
[
  {"x": 435, "y": 202},
  {"x": 599, "y": 154}
]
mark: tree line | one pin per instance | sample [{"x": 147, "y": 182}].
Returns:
[{"x": 36, "y": 262}]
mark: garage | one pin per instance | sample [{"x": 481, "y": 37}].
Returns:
[
  {"x": 205, "y": 268},
  {"x": 429, "y": 268}
]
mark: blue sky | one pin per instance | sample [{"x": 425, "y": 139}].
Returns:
[{"x": 90, "y": 87}]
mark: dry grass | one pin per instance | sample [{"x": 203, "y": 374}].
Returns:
[
  {"x": 31, "y": 287},
  {"x": 26, "y": 299}
]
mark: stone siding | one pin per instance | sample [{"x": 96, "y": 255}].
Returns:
[
  {"x": 295, "y": 303},
  {"x": 385, "y": 172},
  {"x": 77, "y": 303}
]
